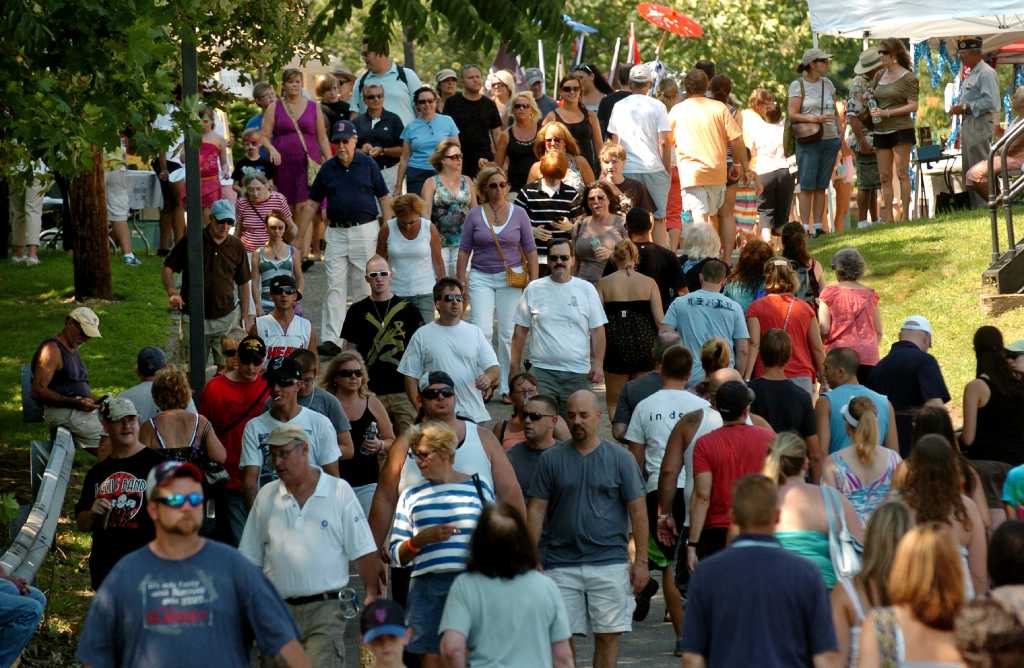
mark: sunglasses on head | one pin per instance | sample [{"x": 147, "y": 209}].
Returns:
[
  {"x": 194, "y": 499},
  {"x": 372, "y": 97},
  {"x": 435, "y": 393},
  {"x": 497, "y": 186},
  {"x": 535, "y": 417},
  {"x": 452, "y": 298},
  {"x": 350, "y": 373},
  {"x": 379, "y": 274}
]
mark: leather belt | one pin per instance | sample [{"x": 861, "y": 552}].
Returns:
[
  {"x": 348, "y": 223},
  {"x": 314, "y": 598}
]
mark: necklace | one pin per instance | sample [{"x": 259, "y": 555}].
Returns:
[{"x": 387, "y": 309}]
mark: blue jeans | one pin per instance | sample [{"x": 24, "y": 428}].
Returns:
[
  {"x": 427, "y": 596},
  {"x": 815, "y": 162},
  {"x": 19, "y": 617}
]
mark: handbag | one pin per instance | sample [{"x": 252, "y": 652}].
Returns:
[
  {"x": 810, "y": 133},
  {"x": 312, "y": 166},
  {"x": 843, "y": 548},
  {"x": 513, "y": 278}
]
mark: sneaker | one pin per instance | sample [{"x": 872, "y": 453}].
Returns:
[
  {"x": 31, "y": 260},
  {"x": 643, "y": 601},
  {"x": 131, "y": 260},
  {"x": 328, "y": 349},
  {"x": 18, "y": 259}
]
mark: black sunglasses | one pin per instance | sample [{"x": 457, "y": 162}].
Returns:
[
  {"x": 520, "y": 106},
  {"x": 194, "y": 499},
  {"x": 286, "y": 290},
  {"x": 452, "y": 298},
  {"x": 535, "y": 417},
  {"x": 425, "y": 101},
  {"x": 570, "y": 89},
  {"x": 560, "y": 258},
  {"x": 350, "y": 373},
  {"x": 283, "y": 382},
  {"x": 231, "y": 352},
  {"x": 372, "y": 97},
  {"x": 435, "y": 393},
  {"x": 497, "y": 186}
]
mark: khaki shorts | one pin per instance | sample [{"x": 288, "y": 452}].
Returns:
[
  {"x": 322, "y": 633},
  {"x": 400, "y": 409},
  {"x": 703, "y": 200},
  {"x": 85, "y": 427},
  {"x": 597, "y": 598}
]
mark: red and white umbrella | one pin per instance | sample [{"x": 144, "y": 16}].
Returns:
[{"x": 670, "y": 20}]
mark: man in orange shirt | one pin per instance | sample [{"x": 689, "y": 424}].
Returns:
[{"x": 702, "y": 129}]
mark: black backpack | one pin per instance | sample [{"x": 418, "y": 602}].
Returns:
[
  {"x": 402, "y": 76},
  {"x": 808, "y": 290}
]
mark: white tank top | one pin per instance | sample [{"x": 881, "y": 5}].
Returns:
[
  {"x": 412, "y": 272},
  {"x": 470, "y": 458},
  {"x": 280, "y": 342}
]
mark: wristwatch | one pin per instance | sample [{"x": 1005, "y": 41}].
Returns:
[{"x": 691, "y": 543}]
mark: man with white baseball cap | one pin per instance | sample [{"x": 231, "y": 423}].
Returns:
[
  {"x": 60, "y": 381},
  {"x": 910, "y": 377}
]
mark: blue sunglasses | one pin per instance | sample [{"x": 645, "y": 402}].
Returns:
[{"x": 194, "y": 499}]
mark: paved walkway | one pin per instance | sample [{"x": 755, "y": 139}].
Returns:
[{"x": 650, "y": 644}]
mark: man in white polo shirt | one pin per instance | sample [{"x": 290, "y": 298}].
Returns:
[{"x": 303, "y": 530}]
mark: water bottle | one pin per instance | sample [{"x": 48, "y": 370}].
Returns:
[
  {"x": 371, "y": 434},
  {"x": 876, "y": 113},
  {"x": 348, "y": 603}
]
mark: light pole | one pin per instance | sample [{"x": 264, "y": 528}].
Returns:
[{"x": 194, "y": 214}]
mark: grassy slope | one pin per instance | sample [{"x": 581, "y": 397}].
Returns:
[
  {"x": 33, "y": 303},
  {"x": 932, "y": 268}
]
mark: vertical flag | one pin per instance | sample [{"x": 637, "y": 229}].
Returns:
[{"x": 633, "y": 48}]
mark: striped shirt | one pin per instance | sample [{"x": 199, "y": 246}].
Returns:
[
  {"x": 431, "y": 504},
  {"x": 546, "y": 208},
  {"x": 252, "y": 217}
]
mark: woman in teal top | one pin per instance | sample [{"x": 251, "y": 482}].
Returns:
[
  {"x": 746, "y": 280},
  {"x": 803, "y": 522},
  {"x": 420, "y": 138}
]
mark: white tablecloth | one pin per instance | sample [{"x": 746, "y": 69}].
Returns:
[{"x": 144, "y": 190}]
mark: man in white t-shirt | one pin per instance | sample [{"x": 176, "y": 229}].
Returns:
[
  {"x": 649, "y": 429},
  {"x": 257, "y": 466},
  {"x": 564, "y": 319},
  {"x": 640, "y": 123},
  {"x": 456, "y": 347}
]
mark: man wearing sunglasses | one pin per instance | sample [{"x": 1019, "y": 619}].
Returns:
[
  {"x": 322, "y": 514},
  {"x": 327, "y": 447},
  {"x": 225, "y": 280},
  {"x": 182, "y": 600},
  {"x": 60, "y": 381},
  {"x": 539, "y": 421},
  {"x": 282, "y": 330},
  {"x": 564, "y": 319},
  {"x": 477, "y": 118},
  {"x": 456, "y": 346},
  {"x": 110, "y": 506},
  {"x": 379, "y": 133}
]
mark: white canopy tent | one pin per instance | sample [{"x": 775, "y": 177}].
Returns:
[{"x": 998, "y": 22}]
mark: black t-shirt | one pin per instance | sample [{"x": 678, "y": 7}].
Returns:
[
  {"x": 384, "y": 132},
  {"x": 334, "y": 112},
  {"x": 127, "y": 526},
  {"x": 381, "y": 332},
  {"x": 246, "y": 166},
  {"x": 475, "y": 120},
  {"x": 662, "y": 265},
  {"x": 604, "y": 110},
  {"x": 785, "y": 406}
]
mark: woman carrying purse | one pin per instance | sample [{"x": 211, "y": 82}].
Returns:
[{"x": 499, "y": 238}]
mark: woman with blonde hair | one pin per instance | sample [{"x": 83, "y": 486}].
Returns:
[
  {"x": 348, "y": 380},
  {"x": 578, "y": 120},
  {"x": 448, "y": 196},
  {"x": 412, "y": 246},
  {"x": 781, "y": 309},
  {"x": 698, "y": 244},
  {"x": 870, "y": 587},
  {"x": 435, "y": 546},
  {"x": 863, "y": 470},
  {"x": 502, "y": 86},
  {"x": 554, "y": 137},
  {"x": 916, "y": 629},
  {"x": 632, "y": 303},
  {"x": 514, "y": 151},
  {"x": 803, "y": 516}
]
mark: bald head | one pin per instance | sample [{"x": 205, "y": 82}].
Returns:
[
  {"x": 718, "y": 378},
  {"x": 377, "y": 263},
  {"x": 583, "y": 413}
]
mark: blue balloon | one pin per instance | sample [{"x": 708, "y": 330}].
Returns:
[{"x": 577, "y": 26}]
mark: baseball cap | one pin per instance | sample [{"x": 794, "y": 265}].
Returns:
[
  {"x": 868, "y": 61},
  {"x": 150, "y": 360},
  {"x": 1017, "y": 347},
  {"x": 732, "y": 398},
  {"x": 437, "y": 378},
  {"x": 445, "y": 74},
  {"x": 117, "y": 408},
  {"x": 534, "y": 75},
  {"x": 252, "y": 350},
  {"x": 165, "y": 472},
  {"x": 640, "y": 74},
  {"x": 917, "y": 323},
  {"x": 383, "y": 617},
  {"x": 343, "y": 130},
  {"x": 278, "y": 283},
  {"x": 286, "y": 434},
  {"x": 89, "y": 321},
  {"x": 281, "y": 369},
  {"x": 969, "y": 44},
  {"x": 810, "y": 55},
  {"x": 223, "y": 210}
]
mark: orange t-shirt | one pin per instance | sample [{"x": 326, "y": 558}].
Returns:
[{"x": 702, "y": 129}]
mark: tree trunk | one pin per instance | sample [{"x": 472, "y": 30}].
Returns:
[
  {"x": 408, "y": 51},
  {"x": 89, "y": 220}
]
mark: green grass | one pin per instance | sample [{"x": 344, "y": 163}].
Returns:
[
  {"x": 932, "y": 268},
  {"x": 33, "y": 304}
]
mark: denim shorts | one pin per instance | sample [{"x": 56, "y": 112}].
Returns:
[
  {"x": 815, "y": 162},
  {"x": 427, "y": 594}
]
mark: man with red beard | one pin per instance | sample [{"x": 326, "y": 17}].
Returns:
[{"x": 114, "y": 491}]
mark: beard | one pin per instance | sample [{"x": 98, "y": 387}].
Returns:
[{"x": 185, "y": 526}]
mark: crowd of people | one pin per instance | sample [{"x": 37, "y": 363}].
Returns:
[{"x": 804, "y": 498}]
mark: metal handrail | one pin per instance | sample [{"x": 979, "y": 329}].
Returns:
[{"x": 1004, "y": 195}]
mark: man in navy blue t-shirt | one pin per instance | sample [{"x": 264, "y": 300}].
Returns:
[{"x": 754, "y": 603}]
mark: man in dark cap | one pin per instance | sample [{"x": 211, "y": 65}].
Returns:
[
  {"x": 978, "y": 105},
  {"x": 720, "y": 458},
  {"x": 283, "y": 330},
  {"x": 147, "y": 363}
]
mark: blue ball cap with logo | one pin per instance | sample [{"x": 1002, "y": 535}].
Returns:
[
  {"x": 343, "y": 130},
  {"x": 222, "y": 210}
]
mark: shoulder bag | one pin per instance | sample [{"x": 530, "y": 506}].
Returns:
[
  {"x": 513, "y": 278},
  {"x": 312, "y": 166},
  {"x": 843, "y": 548},
  {"x": 810, "y": 133}
]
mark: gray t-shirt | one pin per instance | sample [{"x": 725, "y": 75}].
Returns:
[
  {"x": 485, "y": 609},
  {"x": 324, "y": 403},
  {"x": 141, "y": 396},
  {"x": 633, "y": 393},
  {"x": 201, "y": 611},
  {"x": 524, "y": 460},
  {"x": 587, "y": 519},
  {"x": 812, "y": 103}
]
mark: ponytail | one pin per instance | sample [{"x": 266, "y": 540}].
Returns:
[
  {"x": 862, "y": 418},
  {"x": 787, "y": 455}
]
